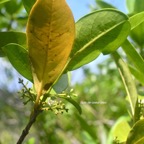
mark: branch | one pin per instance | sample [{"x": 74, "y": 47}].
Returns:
[{"x": 32, "y": 119}]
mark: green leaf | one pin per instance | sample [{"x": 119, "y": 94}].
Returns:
[
  {"x": 135, "y": 6},
  {"x": 130, "y": 5},
  {"x": 61, "y": 84},
  {"x": 137, "y": 22},
  {"x": 12, "y": 37},
  {"x": 138, "y": 6},
  {"x": 103, "y": 4},
  {"x": 136, "y": 19},
  {"x": 137, "y": 35},
  {"x": 3, "y": 1},
  {"x": 136, "y": 135},
  {"x": 137, "y": 74},
  {"x": 99, "y": 32},
  {"x": 74, "y": 103},
  {"x": 18, "y": 56},
  {"x": 28, "y": 4},
  {"x": 128, "y": 81},
  {"x": 120, "y": 130},
  {"x": 133, "y": 56},
  {"x": 13, "y": 6}
]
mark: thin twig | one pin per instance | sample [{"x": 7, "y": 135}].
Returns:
[{"x": 32, "y": 119}]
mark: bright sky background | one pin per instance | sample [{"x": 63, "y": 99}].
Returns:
[{"x": 80, "y": 7}]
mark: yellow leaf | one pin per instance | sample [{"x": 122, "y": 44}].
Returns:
[{"x": 50, "y": 35}]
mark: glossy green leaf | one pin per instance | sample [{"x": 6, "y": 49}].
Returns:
[
  {"x": 120, "y": 130},
  {"x": 12, "y": 37},
  {"x": 133, "y": 56},
  {"x": 136, "y": 19},
  {"x": 28, "y": 4},
  {"x": 3, "y": 1},
  {"x": 61, "y": 84},
  {"x": 99, "y": 32},
  {"x": 137, "y": 74},
  {"x": 136, "y": 135},
  {"x": 18, "y": 56},
  {"x": 137, "y": 35}
]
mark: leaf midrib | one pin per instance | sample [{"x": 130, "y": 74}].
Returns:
[
  {"x": 48, "y": 43},
  {"x": 96, "y": 38}
]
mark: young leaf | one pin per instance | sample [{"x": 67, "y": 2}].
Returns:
[
  {"x": 50, "y": 36},
  {"x": 18, "y": 56},
  {"x": 99, "y": 32},
  {"x": 12, "y": 37},
  {"x": 136, "y": 135},
  {"x": 120, "y": 130}
]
